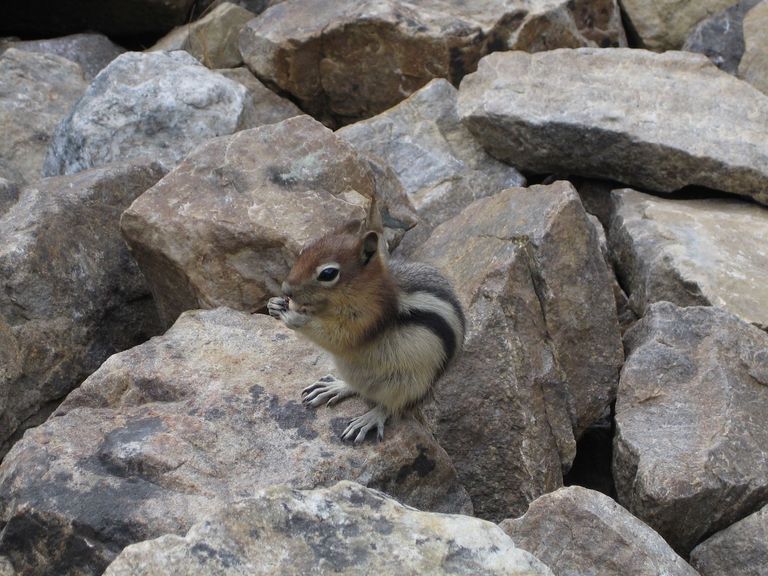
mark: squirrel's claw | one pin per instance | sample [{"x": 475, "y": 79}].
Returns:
[
  {"x": 326, "y": 390},
  {"x": 359, "y": 427}
]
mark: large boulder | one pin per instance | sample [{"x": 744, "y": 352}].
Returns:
[
  {"x": 598, "y": 113},
  {"x": 344, "y": 60},
  {"x": 154, "y": 105},
  {"x": 665, "y": 24},
  {"x": 213, "y": 39},
  {"x": 739, "y": 550},
  {"x": 542, "y": 350},
  {"x": 268, "y": 107},
  {"x": 689, "y": 452},
  {"x": 346, "y": 530},
  {"x": 440, "y": 164},
  {"x": 224, "y": 228},
  {"x": 167, "y": 433},
  {"x": 70, "y": 293},
  {"x": 577, "y": 531},
  {"x": 754, "y": 64},
  {"x": 36, "y": 93}
]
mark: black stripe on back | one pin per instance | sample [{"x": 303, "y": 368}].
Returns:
[{"x": 437, "y": 325}]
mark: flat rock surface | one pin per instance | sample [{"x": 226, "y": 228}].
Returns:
[
  {"x": 225, "y": 226},
  {"x": 739, "y": 550},
  {"x": 343, "y": 60},
  {"x": 689, "y": 451},
  {"x": 165, "y": 434},
  {"x": 36, "y": 93},
  {"x": 597, "y": 113},
  {"x": 754, "y": 64},
  {"x": 692, "y": 252},
  {"x": 70, "y": 294},
  {"x": 154, "y": 105},
  {"x": 576, "y": 531},
  {"x": 542, "y": 351},
  {"x": 346, "y": 529},
  {"x": 440, "y": 164}
]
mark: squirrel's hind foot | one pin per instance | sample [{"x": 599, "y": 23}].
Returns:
[
  {"x": 328, "y": 389},
  {"x": 361, "y": 425}
]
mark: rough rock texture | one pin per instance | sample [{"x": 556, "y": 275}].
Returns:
[
  {"x": 542, "y": 351},
  {"x": 36, "y": 92},
  {"x": 598, "y": 113},
  {"x": 754, "y": 64},
  {"x": 739, "y": 550},
  {"x": 112, "y": 17},
  {"x": 692, "y": 252},
  {"x": 165, "y": 434},
  {"x": 440, "y": 164},
  {"x": 665, "y": 24},
  {"x": 721, "y": 37},
  {"x": 346, "y": 529},
  {"x": 225, "y": 226},
  {"x": 154, "y": 105},
  {"x": 689, "y": 451},
  {"x": 268, "y": 107},
  {"x": 9, "y": 193},
  {"x": 70, "y": 295},
  {"x": 91, "y": 51},
  {"x": 343, "y": 60},
  {"x": 576, "y": 531},
  {"x": 213, "y": 39}
]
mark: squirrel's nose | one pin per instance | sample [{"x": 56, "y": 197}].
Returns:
[{"x": 287, "y": 290}]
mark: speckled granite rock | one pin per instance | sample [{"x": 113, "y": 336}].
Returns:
[{"x": 754, "y": 64}]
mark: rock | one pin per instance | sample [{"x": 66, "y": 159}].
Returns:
[
  {"x": 91, "y": 51},
  {"x": 71, "y": 295},
  {"x": 116, "y": 18},
  {"x": 577, "y": 531},
  {"x": 268, "y": 107},
  {"x": 36, "y": 93},
  {"x": 9, "y": 193},
  {"x": 346, "y": 529},
  {"x": 721, "y": 36},
  {"x": 665, "y": 24},
  {"x": 147, "y": 105},
  {"x": 226, "y": 225},
  {"x": 213, "y": 39},
  {"x": 344, "y": 60},
  {"x": 689, "y": 451},
  {"x": 739, "y": 550},
  {"x": 692, "y": 252},
  {"x": 754, "y": 65},
  {"x": 167, "y": 433},
  {"x": 440, "y": 164},
  {"x": 597, "y": 113},
  {"x": 542, "y": 351}
]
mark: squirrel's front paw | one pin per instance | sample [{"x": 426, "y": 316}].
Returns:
[{"x": 277, "y": 306}]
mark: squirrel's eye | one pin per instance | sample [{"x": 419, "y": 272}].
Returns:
[{"x": 328, "y": 274}]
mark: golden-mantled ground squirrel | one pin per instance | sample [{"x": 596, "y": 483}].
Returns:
[{"x": 392, "y": 327}]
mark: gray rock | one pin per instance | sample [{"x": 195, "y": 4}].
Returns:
[
  {"x": 754, "y": 65},
  {"x": 739, "y": 550},
  {"x": 9, "y": 193},
  {"x": 343, "y": 60},
  {"x": 167, "y": 433},
  {"x": 440, "y": 164},
  {"x": 721, "y": 36},
  {"x": 346, "y": 529},
  {"x": 71, "y": 295},
  {"x": 268, "y": 107},
  {"x": 576, "y": 531},
  {"x": 91, "y": 51},
  {"x": 542, "y": 351},
  {"x": 147, "y": 105},
  {"x": 213, "y": 39},
  {"x": 597, "y": 113},
  {"x": 224, "y": 228},
  {"x": 36, "y": 93},
  {"x": 692, "y": 252},
  {"x": 689, "y": 451}
]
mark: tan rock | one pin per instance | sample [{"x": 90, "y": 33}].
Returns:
[
  {"x": 665, "y": 24},
  {"x": 754, "y": 64},
  {"x": 344, "y": 60},
  {"x": 268, "y": 107}
]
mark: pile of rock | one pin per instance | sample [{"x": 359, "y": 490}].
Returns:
[{"x": 599, "y": 205}]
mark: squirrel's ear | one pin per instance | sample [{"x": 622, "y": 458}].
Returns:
[{"x": 370, "y": 246}]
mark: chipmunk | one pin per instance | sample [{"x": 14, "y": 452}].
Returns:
[{"x": 392, "y": 328}]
